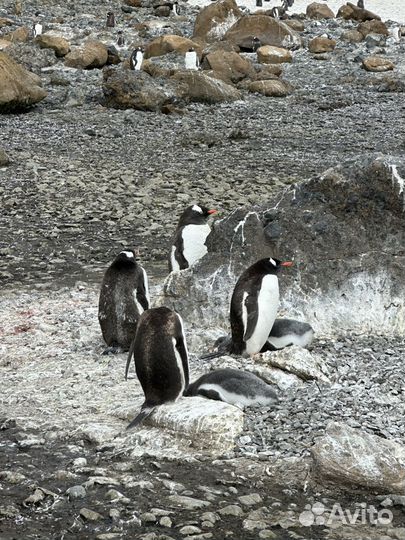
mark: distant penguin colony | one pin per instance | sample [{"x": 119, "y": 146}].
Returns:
[
  {"x": 124, "y": 296},
  {"x": 136, "y": 59},
  {"x": 161, "y": 359},
  {"x": 254, "y": 306},
  {"x": 189, "y": 238},
  {"x": 191, "y": 59},
  {"x": 233, "y": 386}
]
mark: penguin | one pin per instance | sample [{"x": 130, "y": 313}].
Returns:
[
  {"x": 254, "y": 306},
  {"x": 396, "y": 33},
  {"x": 191, "y": 59},
  {"x": 120, "y": 40},
  {"x": 284, "y": 333},
  {"x": 275, "y": 13},
  {"x": 234, "y": 386},
  {"x": 37, "y": 29},
  {"x": 256, "y": 43},
  {"x": 176, "y": 9},
  {"x": 259, "y": 3},
  {"x": 188, "y": 244},
  {"x": 124, "y": 296},
  {"x": 110, "y": 20},
  {"x": 161, "y": 359},
  {"x": 360, "y": 4},
  {"x": 136, "y": 59}
]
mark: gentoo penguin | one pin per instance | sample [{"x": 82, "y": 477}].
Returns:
[
  {"x": 136, "y": 59},
  {"x": 188, "y": 245},
  {"x": 259, "y": 3},
  {"x": 175, "y": 9},
  {"x": 124, "y": 295},
  {"x": 235, "y": 387},
  {"x": 161, "y": 359},
  {"x": 284, "y": 333},
  {"x": 256, "y": 43},
  {"x": 254, "y": 306},
  {"x": 360, "y": 4},
  {"x": 191, "y": 59},
  {"x": 37, "y": 29},
  {"x": 396, "y": 33},
  {"x": 120, "y": 40},
  {"x": 110, "y": 20}
]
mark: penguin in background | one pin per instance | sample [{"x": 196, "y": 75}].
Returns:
[
  {"x": 256, "y": 43},
  {"x": 120, "y": 40},
  {"x": 191, "y": 60},
  {"x": 161, "y": 359},
  {"x": 360, "y": 4},
  {"x": 284, "y": 333},
  {"x": 175, "y": 9},
  {"x": 37, "y": 27},
  {"x": 234, "y": 386},
  {"x": 136, "y": 59},
  {"x": 188, "y": 244},
  {"x": 254, "y": 306},
  {"x": 124, "y": 296},
  {"x": 110, "y": 20}
]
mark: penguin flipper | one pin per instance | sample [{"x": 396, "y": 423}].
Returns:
[
  {"x": 211, "y": 356},
  {"x": 130, "y": 354},
  {"x": 141, "y": 417},
  {"x": 252, "y": 316},
  {"x": 142, "y": 291}
]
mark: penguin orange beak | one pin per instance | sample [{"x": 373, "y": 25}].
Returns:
[
  {"x": 287, "y": 263},
  {"x": 212, "y": 211}
]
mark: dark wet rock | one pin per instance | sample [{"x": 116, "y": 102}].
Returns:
[
  {"x": 351, "y": 11},
  {"x": 266, "y": 29},
  {"x": 215, "y": 19},
  {"x": 92, "y": 55},
  {"x": 353, "y": 457},
  {"x": 376, "y": 63},
  {"x": 230, "y": 67},
  {"x": 319, "y": 11}
]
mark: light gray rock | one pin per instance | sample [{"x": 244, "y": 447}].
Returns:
[
  {"x": 90, "y": 515},
  {"x": 352, "y": 457},
  {"x": 189, "y": 529},
  {"x": 297, "y": 361},
  {"x": 251, "y": 499},
  {"x": 165, "y": 521},
  {"x": 231, "y": 510},
  {"x": 76, "y": 492},
  {"x": 187, "y": 503},
  {"x": 97, "y": 433},
  {"x": 148, "y": 517}
]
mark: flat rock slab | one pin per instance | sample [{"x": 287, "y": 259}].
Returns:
[
  {"x": 355, "y": 458},
  {"x": 297, "y": 361},
  {"x": 201, "y": 423}
]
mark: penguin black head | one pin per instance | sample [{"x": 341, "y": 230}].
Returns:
[
  {"x": 191, "y": 49},
  {"x": 126, "y": 256},
  {"x": 274, "y": 265},
  {"x": 197, "y": 213},
  {"x": 256, "y": 43}
]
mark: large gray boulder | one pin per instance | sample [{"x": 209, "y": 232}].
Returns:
[
  {"x": 345, "y": 231},
  {"x": 354, "y": 458}
]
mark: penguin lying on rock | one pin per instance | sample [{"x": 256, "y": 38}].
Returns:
[
  {"x": 235, "y": 387},
  {"x": 124, "y": 295},
  {"x": 161, "y": 359},
  {"x": 188, "y": 244},
  {"x": 284, "y": 333}
]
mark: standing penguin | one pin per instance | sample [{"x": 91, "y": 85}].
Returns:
[
  {"x": 136, "y": 59},
  {"x": 175, "y": 9},
  {"x": 121, "y": 39},
  {"x": 188, "y": 244},
  {"x": 234, "y": 386},
  {"x": 124, "y": 295},
  {"x": 161, "y": 359},
  {"x": 360, "y": 4},
  {"x": 110, "y": 20},
  {"x": 191, "y": 60},
  {"x": 254, "y": 306},
  {"x": 37, "y": 29},
  {"x": 256, "y": 43}
]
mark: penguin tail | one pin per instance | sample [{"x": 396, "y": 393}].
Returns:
[
  {"x": 211, "y": 356},
  {"x": 130, "y": 354},
  {"x": 145, "y": 412}
]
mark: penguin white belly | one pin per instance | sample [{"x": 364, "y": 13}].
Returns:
[
  {"x": 233, "y": 398},
  {"x": 190, "y": 60},
  {"x": 138, "y": 61},
  {"x": 137, "y": 303},
  {"x": 180, "y": 367},
  {"x": 175, "y": 264},
  {"x": 146, "y": 284},
  {"x": 194, "y": 237},
  {"x": 291, "y": 339},
  {"x": 267, "y": 306}
]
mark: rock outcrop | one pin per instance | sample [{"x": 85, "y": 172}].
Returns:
[
  {"x": 58, "y": 44},
  {"x": 351, "y": 11},
  {"x": 230, "y": 67},
  {"x": 273, "y": 55},
  {"x": 170, "y": 43},
  {"x": 204, "y": 89},
  {"x": 321, "y": 45},
  {"x": 92, "y": 55},
  {"x": 356, "y": 458},
  {"x": 19, "y": 88},
  {"x": 270, "y": 87},
  {"x": 319, "y": 11},
  {"x": 214, "y": 20}
]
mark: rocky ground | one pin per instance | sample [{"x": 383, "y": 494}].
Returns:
[{"x": 82, "y": 181}]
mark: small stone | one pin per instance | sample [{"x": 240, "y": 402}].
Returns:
[
  {"x": 250, "y": 500},
  {"x": 209, "y": 516},
  {"x": 378, "y": 64},
  {"x": 165, "y": 521},
  {"x": 12, "y": 477},
  {"x": 188, "y": 503},
  {"x": 79, "y": 463},
  {"x": 189, "y": 529},
  {"x": 231, "y": 510},
  {"x": 76, "y": 492},
  {"x": 267, "y": 534},
  {"x": 4, "y": 159},
  {"x": 148, "y": 517},
  {"x": 90, "y": 515},
  {"x": 108, "y": 536},
  {"x": 114, "y": 514},
  {"x": 113, "y": 495},
  {"x": 206, "y": 524}
]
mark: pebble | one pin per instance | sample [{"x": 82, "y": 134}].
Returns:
[
  {"x": 231, "y": 510},
  {"x": 148, "y": 517},
  {"x": 188, "y": 503},
  {"x": 189, "y": 529},
  {"x": 79, "y": 463},
  {"x": 76, "y": 492},
  {"x": 90, "y": 515},
  {"x": 165, "y": 521},
  {"x": 250, "y": 500}
]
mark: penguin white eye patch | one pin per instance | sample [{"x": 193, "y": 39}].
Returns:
[
  {"x": 197, "y": 208},
  {"x": 273, "y": 262},
  {"x": 129, "y": 254}
]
